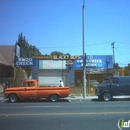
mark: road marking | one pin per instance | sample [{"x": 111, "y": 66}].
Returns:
[
  {"x": 40, "y": 106},
  {"x": 65, "y": 114}
]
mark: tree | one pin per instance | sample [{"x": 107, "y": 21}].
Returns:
[
  {"x": 26, "y": 50},
  {"x": 127, "y": 70},
  {"x": 19, "y": 76},
  {"x": 116, "y": 66},
  {"x": 58, "y": 53},
  {"x": 34, "y": 50}
]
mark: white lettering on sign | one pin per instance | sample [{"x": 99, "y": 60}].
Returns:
[
  {"x": 24, "y": 62},
  {"x": 95, "y": 61},
  {"x": 89, "y": 57},
  {"x": 25, "y": 59},
  {"x": 90, "y": 62}
]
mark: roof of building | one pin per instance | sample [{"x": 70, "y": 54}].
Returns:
[{"x": 7, "y": 53}]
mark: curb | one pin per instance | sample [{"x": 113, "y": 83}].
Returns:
[{"x": 80, "y": 98}]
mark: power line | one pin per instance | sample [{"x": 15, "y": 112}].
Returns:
[
  {"x": 123, "y": 42},
  {"x": 125, "y": 47},
  {"x": 75, "y": 45},
  {"x": 61, "y": 46},
  {"x": 121, "y": 54},
  {"x": 98, "y": 43},
  {"x": 80, "y": 45}
]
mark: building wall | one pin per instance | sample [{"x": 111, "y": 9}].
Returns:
[
  {"x": 51, "y": 77},
  {"x": 49, "y": 72},
  {"x": 6, "y": 72},
  {"x": 51, "y": 69}
]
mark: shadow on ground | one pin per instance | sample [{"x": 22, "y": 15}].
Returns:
[
  {"x": 114, "y": 99},
  {"x": 37, "y": 101}
]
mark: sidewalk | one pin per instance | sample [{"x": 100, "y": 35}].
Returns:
[{"x": 80, "y": 98}]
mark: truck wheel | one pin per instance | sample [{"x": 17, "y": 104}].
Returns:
[
  {"x": 106, "y": 96},
  {"x": 13, "y": 98},
  {"x": 54, "y": 98}
]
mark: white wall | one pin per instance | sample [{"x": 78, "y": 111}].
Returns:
[{"x": 51, "y": 77}]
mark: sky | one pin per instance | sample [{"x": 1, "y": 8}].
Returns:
[{"x": 56, "y": 25}]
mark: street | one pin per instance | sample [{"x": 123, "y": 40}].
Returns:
[{"x": 64, "y": 115}]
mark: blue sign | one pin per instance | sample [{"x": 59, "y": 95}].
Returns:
[
  {"x": 95, "y": 61},
  {"x": 17, "y": 51},
  {"x": 24, "y": 61}
]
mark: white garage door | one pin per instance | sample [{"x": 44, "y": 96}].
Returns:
[{"x": 50, "y": 78}]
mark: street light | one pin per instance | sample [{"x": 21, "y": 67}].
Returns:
[{"x": 84, "y": 55}]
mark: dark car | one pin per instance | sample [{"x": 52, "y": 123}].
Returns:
[{"x": 113, "y": 86}]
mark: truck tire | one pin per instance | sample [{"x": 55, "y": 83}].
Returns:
[
  {"x": 13, "y": 98},
  {"x": 54, "y": 98},
  {"x": 106, "y": 96}
]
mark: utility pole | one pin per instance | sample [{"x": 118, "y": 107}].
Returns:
[
  {"x": 112, "y": 44},
  {"x": 84, "y": 54}
]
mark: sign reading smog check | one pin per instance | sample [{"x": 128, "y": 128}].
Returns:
[{"x": 24, "y": 61}]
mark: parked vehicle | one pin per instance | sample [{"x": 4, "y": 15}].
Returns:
[
  {"x": 94, "y": 83},
  {"x": 31, "y": 90},
  {"x": 113, "y": 86}
]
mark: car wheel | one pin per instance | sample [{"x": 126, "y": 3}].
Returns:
[
  {"x": 107, "y": 97},
  {"x": 13, "y": 98},
  {"x": 54, "y": 98}
]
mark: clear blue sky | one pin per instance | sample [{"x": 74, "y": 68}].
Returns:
[{"x": 56, "y": 25}]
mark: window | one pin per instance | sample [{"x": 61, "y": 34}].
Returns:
[
  {"x": 30, "y": 84},
  {"x": 105, "y": 81},
  {"x": 114, "y": 80}
]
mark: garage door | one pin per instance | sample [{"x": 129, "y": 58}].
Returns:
[{"x": 50, "y": 78}]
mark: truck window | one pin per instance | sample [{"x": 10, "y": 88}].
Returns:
[
  {"x": 105, "y": 81},
  {"x": 114, "y": 80},
  {"x": 24, "y": 84},
  {"x": 30, "y": 84}
]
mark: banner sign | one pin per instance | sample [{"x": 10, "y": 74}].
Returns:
[
  {"x": 24, "y": 61},
  {"x": 52, "y": 64},
  {"x": 56, "y": 57},
  {"x": 96, "y": 61},
  {"x": 17, "y": 51}
]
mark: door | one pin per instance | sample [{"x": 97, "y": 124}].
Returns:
[
  {"x": 125, "y": 85},
  {"x": 115, "y": 87},
  {"x": 30, "y": 90}
]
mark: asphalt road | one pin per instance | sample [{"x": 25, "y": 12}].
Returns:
[{"x": 64, "y": 115}]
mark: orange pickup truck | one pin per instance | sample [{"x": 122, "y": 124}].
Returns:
[{"x": 31, "y": 90}]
